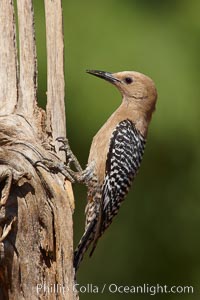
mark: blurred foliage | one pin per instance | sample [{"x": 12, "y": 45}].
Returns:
[{"x": 155, "y": 238}]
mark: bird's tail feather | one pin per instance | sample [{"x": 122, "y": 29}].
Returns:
[{"x": 84, "y": 244}]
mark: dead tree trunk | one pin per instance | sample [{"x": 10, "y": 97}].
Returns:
[{"x": 36, "y": 206}]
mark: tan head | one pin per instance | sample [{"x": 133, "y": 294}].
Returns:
[{"x": 137, "y": 90}]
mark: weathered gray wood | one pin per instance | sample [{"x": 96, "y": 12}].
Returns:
[
  {"x": 28, "y": 63},
  {"x": 8, "y": 60},
  {"x": 36, "y": 206},
  {"x": 55, "y": 67},
  {"x": 39, "y": 249}
]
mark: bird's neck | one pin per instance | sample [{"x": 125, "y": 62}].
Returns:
[{"x": 141, "y": 119}]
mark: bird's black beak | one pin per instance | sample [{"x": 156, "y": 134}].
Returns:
[{"x": 105, "y": 75}]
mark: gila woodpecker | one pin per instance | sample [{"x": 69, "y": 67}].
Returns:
[{"x": 115, "y": 154}]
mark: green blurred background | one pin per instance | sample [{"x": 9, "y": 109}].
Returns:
[{"x": 155, "y": 238}]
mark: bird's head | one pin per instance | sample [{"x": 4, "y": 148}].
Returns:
[{"x": 137, "y": 89}]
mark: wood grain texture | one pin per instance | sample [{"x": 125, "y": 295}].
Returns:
[
  {"x": 8, "y": 58},
  {"x": 36, "y": 232},
  {"x": 55, "y": 68},
  {"x": 27, "y": 56}
]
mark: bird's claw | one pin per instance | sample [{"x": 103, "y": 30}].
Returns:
[
  {"x": 54, "y": 167},
  {"x": 70, "y": 157},
  {"x": 59, "y": 167}
]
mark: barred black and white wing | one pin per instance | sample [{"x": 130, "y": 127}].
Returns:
[{"x": 123, "y": 161}]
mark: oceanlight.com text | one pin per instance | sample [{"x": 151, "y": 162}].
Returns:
[{"x": 113, "y": 288}]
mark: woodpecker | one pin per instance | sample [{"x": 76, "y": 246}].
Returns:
[{"x": 115, "y": 154}]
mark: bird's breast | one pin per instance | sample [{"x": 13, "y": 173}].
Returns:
[{"x": 99, "y": 151}]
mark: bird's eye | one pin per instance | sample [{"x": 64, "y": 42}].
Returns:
[{"x": 128, "y": 80}]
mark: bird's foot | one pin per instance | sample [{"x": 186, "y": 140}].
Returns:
[
  {"x": 64, "y": 168},
  {"x": 56, "y": 167},
  {"x": 70, "y": 157}
]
